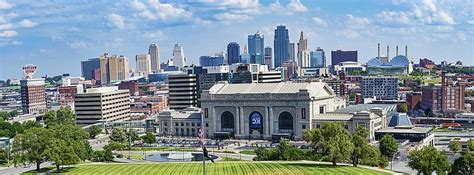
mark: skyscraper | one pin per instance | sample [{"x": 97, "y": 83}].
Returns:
[
  {"x": 88, "y": 67},
  {"x": 268, "y": 57},
  {"x": 113, "y": 68},
  {"x": 33, "y": 100},
  {"x": 302, "y": 45},
  {"x": 318, "y": 59},
  {"x": 154, "y": 53},
  {"x": 245, "y": 57},
  {"x": 143, "y": 64},
  {"x": 178, "y": 56},
  {"x": 233, "y": 53},
  {"x": 206, "y": 61},
  {"x": 280, "y": 45},
  {"x": 342, "y": 56},
  {"x": 256, "y": 48},
  {"x": 292, "y": 52}
]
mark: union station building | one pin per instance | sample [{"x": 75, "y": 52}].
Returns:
[{"x": 265, "y": 110}]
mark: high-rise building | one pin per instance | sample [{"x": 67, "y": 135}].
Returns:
[
  {"x": 206, "y": 61},
  {"x": 88, "y": 67},
  {"x": 292, "y": 52},
  {"x": 304, "y": 58},
  {"x": 233, "y": 53},
  {"x": 318, "y": 59},
  {"x": 384, "y": 88},
  {"x": 302, "y": 46},
  {"x": 268, "y": 57},
  {"x": 104, "y": 104},
  {"x": 342, "y": 56},
  {"x": 178, "y": 56},
  {"x": 281, "y": 43},
  {"x": 445, "y": 98},
  {"x": 154, "y": 52},
  {"x": 256, "y": 48},
  {"x": 113, "y": 68},
  {"x": 183, "y": 91},
  {"x": 245, "y": 57},
  {"x": 143, "y": 64},
  {"x": 33, "y": 100}
]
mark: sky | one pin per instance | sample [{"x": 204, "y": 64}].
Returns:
[{"x": 56, "y": 35}]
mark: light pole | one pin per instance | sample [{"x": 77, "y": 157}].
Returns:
[{"x": 391, "y": 165}]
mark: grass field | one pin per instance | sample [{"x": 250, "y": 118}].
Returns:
[
  {"x": 249, "y": 152},
  {"x": 224, "y": 168}
]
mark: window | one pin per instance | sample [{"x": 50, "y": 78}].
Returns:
[
  {"x": 182, "y": 124},
  {"x": 318, "y": 125},
  {"x": 303, "y": 113},
  {"x": 206, "y": 113},
  {"x": 176, "y": 124},
  {"x": 321, "y": 109},
  {"x": 207, "y": 124},
  {"x": 166, "y": 124},
  {"x": 303, "y": 126}
]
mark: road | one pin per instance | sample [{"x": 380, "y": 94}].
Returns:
[{"x": 21, "y": 169}]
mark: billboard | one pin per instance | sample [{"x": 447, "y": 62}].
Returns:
[{"x": 256, "y": 120}]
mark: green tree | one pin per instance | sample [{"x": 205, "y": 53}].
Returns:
[
  {"x": 332, "y": 140},
  {"x": 370, "y": 156},
  {"x": 360, "y": 141},
  {"x": 4, "y": 156},
  {"x": 470, "y": 145},
  {"x": 403, "y": 108},
  {"x": 388, "y": 146},
  {"x": 428, "y": 160},
  {"x": 13, "y": 113},
  {"x": 149, "y": 138},
  {"x": 4, "y": 115},
  {"x": 454, "y": 145},
  {"x": 285, "y": 151},
  {"x": 463, "y": 165},
  {"x": 63, "y": 116},
  {"x": 94, "y": 130},
  {"x": 132, "y": 136},
  {"x": 61, "y": 153},
  {"x": 118, "y": 135},
  {"x": 113, "y": 145},
  {"x": 29, "y": 147}
]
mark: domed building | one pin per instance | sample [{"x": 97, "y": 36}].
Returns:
[{"x": 398, "y": 65}]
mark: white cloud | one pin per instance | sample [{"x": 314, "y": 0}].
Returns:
[
  {"x": 243, "y": 4},
  {"x": 27, "y": 23},
  {"x": 6, "y": 26},
  {"x": 354, "y": 22},
  {"x": 351, "y": 34},
  {"x": 155, "y": 35},
  {"x": 73, "y": 29},
  {"x": 6, "y": 5},
  {"x": 116, "y": 20},
  {"x": 429, "y": 13},
  {"x": 163, "y": 11},
  {"x": 470, "y": 21},
  {"x": 77, "y": 44},
  {"x": 320, "y": 22},
  {"x": 138, "y": 5},
  {"x": 296, "y": 6},
  {"x": 16, "y": 43},
  {"x": 8, "y": 33},
  {"x": 231, "y": 17},
  {"x": 393, "y": 18}
]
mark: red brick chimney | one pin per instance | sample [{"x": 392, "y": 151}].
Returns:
[{"x": 443, "y": 92}]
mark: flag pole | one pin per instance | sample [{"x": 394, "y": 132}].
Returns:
[{"x": 202, "y": 146}]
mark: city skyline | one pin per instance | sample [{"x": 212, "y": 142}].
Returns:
[{"x": 58, "y": 36}]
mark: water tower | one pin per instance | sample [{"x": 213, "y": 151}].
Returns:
[{"x": 29, "y": 70}]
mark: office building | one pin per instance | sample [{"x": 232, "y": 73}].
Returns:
[
  {"x": 183, "y": 91},
  {"x": 33, "y": 99},
  {"x": 292, "y": 52},
  {"x": 341, "y": 56},
  {"x": 143, "y": 64},
  {"x": 66, "y": 95},
  {"x": 113, "y": 68},
  {"x": 88, "y": 67},
  {"x": 186, "y": 122},
  {"x": 130, "y": 85},
  {"x": 448, "y": 97},
  {"x": 206, "y": 61},
  {"x": 304, "y": 58},
  {"x": 318, "y": 58},
  {"x": 382, "y": 88},
  {"x": 268, "y": 57},
  {"x": 179, "y": 60},
  {"x": 265, "y": 110},
  {"x": 104, "y": 104},
  {"x": 154, "y": 52},
  {"x": 245, "y": 56},
  {"x": 281, "y": 42},
  {"x": 338, "y": 86},
  {"x": 233, "y": 53},
  {"x": 256, "y": 48},
  {"x": 302, "y": 47}
]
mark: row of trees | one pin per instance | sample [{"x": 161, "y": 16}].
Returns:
[
  {"x": 332, "y": 142},
  {"x": 4, "y": 116},
  {"x": 429, "y": 160},
  {"x": 60, "y": 141}
]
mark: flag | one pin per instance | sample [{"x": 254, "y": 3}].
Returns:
[
  {"x": 201, "y": 136},
  {"x": 206, "y": 154}
]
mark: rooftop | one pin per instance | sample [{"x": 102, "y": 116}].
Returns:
[
  {"x": 414, "y": 130},
  {"x": 388, "y": 108},
  {"x": 314, "y": 88}
]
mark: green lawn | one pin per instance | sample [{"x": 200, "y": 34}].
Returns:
[
  {"x": 224, "y": 168},
  {"x": 249, "y": 152}
]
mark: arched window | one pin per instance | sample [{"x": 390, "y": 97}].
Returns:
[
  {"x": 285, "y": 121},
  {"x": 227, "y": 120}
]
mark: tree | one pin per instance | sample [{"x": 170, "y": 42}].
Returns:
[
  {"x": 61, "y": 153},
  {"x": 3, "y": 156},
  {"x": 94, "y": 130},
  {"x": 4, "y": 115},
  {"x": 29, "y": 147},
  {"x": 149, "y": 138},
  {"x": 284, "y": 151},
  {"x": 454, "y": 145},
  {"x": 428, "y": 160},
  {"x": 62, "y": 116},
  {"x": 118, "y": 135},
  {"x": 388, "y": 146},
  {"x": 132, "y": 136},
  {"x": 359, "y": 139},
  {"x": 403, "y": 108},
  {"x": 463, "y": 165},
  {"x": 332, "y": 140},
  {"x": 470, "y": 145}
]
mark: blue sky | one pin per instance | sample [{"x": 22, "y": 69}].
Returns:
[{"x": 56, "y": 35}]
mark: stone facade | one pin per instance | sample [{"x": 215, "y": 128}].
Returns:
[{"x": 260, "y": 111}]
